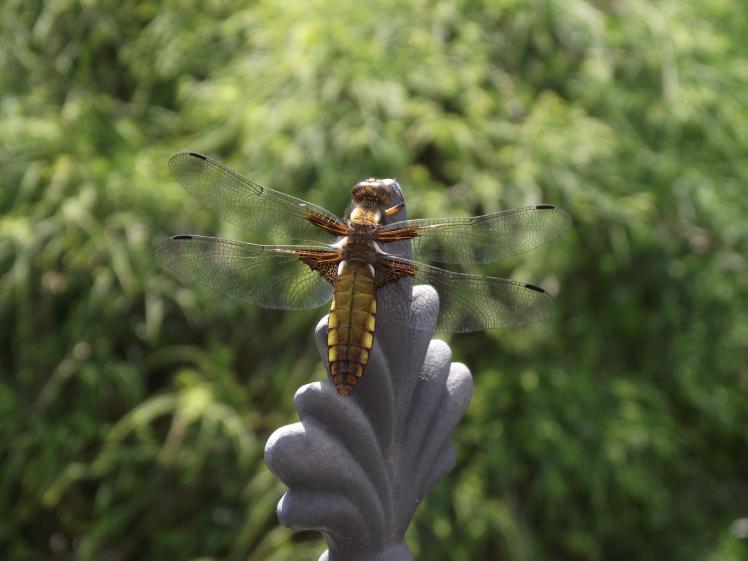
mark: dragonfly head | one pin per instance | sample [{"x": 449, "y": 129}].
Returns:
[{"x": 373, "y": 199}]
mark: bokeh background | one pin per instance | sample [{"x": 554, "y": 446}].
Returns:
[{"x": 134, "y": 406}]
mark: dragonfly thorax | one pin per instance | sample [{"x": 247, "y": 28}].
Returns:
[{"x": 359, "y": 245}]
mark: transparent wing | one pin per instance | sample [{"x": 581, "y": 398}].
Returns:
[
  {"x": 278, "y": 277},
  {"x": 479, "y": 239},
  {"x": 270, "y": 215},
  {"x": 466, "y": 302}
]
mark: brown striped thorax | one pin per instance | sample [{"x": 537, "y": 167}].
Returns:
[{"x": 309, "y": 256}]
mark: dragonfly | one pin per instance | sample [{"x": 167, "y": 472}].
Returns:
[{"x": 310, "y": 256}]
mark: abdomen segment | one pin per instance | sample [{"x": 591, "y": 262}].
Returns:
[{"x": 350, "y": 325}]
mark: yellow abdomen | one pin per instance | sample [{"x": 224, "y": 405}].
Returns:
[{"x": 350, "y": 325}]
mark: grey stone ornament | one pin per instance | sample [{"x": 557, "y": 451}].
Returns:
[{"x": 357, "y": 467}]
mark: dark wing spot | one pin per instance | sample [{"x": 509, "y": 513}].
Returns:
[
  {"x": 196, "y": 155},
  {"x": 543, "y": 207},
  {"x": 535, "y": 288},
  {"x": 182, "y": 237}
]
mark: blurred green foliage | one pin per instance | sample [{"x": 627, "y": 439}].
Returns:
[{"x": 134, "y": 407}]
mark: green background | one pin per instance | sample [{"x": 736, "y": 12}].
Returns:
[{"x": 134, "y": 406}]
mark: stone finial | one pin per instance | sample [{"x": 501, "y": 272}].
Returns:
[{"x": 357, "y": 467}]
